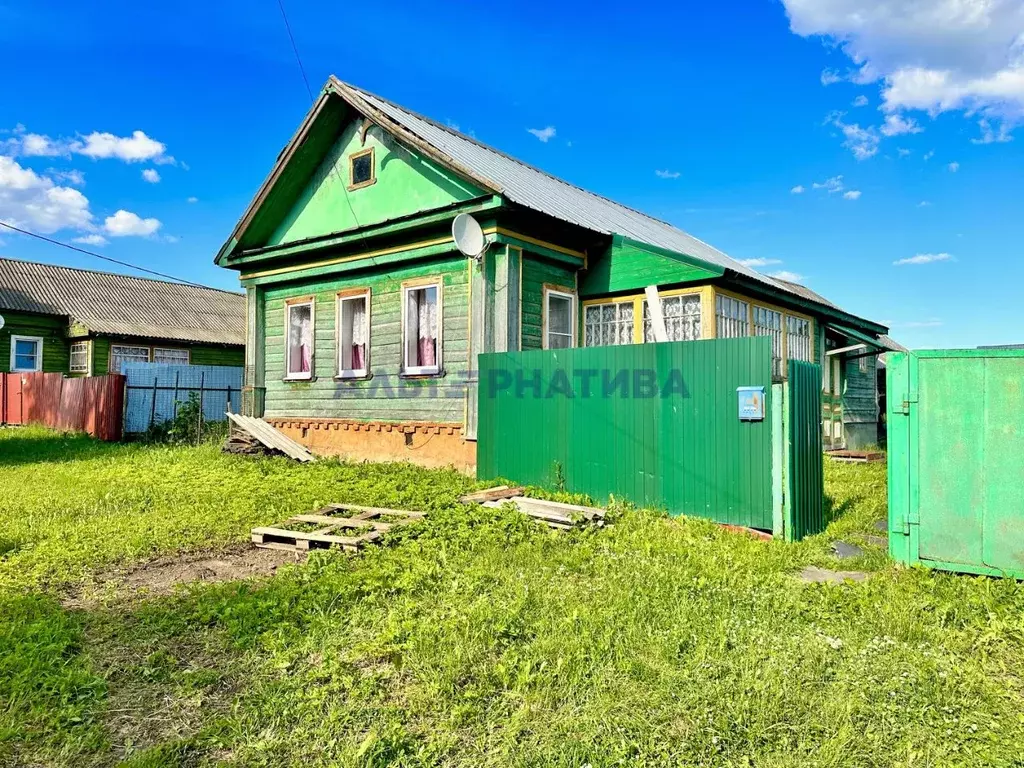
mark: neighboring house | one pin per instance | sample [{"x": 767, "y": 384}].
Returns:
[
  {"x": 85, "y": 323},
  {"x": 364, "y": 321}
]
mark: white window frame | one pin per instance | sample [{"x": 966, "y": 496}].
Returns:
[
  {"x": 423, "y": 370},
  {"x": 290, "y": 375},
  {"x": 352, "y": 373},
  {"x": 188, "y": 354},
  {"x": 599, "y": 306},
  {"x": 692, "y": 298},
  {"x": 87, "y": 369},
  {"x": 38, "y": 340},
  {"x": 112, "y": 354},
  {"x": 548, "y": 293}
]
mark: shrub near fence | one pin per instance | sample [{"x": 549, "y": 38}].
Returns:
[{"x": 94, "y": 405}]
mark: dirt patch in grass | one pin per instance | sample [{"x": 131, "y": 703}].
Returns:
[{"x": 162, "y": 575}]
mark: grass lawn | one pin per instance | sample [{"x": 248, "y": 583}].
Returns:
[{"x": 476, "y": 638}]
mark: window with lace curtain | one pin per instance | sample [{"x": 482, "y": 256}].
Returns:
[
  {"x": 608, "y": 324},
  {"x": 682, "y": 318},
  {"x": 421, "y": 330},
  {"x": 299, "y": 340},
  {"x": 353, "y": 335}
]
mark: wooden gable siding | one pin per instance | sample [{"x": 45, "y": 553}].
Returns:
[
  {"x": 538, "y": 272},
  {"x": 51, "y": 328},
  {"x": 384, "y": 396},
  {"x": 404, "y": 183}
]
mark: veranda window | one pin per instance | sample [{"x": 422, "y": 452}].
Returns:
[
  {"x": 422, "y": 330},
  {"x": 798, "y": 338},
  {"x": 560, "y": 316},
  {"x": 682, "y": 318},
  {"x": 123, "y": 353},
  {"x": 768, "y": 322},
  {"x": 732, "y": 317},
  {"x": 608, "y": 324},
  {"x": 299, "y": 340},
  {"x": 353, "y": 335}
]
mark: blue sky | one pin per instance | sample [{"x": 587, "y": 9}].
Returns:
[{"x": 829, "y": 139}]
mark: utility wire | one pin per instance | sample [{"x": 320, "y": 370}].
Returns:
[
  {"x": 295, "y": 48},
  {"x": 100, "y": 256}
]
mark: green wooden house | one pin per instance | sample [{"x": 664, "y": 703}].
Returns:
[
  {"x": 364, "y": 321},
  {"x": 85, "y": 323}
]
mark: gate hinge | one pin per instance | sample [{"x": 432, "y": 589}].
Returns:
[{"x": 907, "y": 401}]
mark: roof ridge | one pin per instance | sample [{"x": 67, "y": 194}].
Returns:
[
  {"x": 504, "y": 154},
  {"x": 120, "y": 274}
]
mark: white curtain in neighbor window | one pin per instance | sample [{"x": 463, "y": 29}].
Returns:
[
  {"x": 300, "y": 339},
  {"x": 170, "y": 356},
  {"x": 421, "y": 328},
  {"x": 354, "y": 336},
  {"x": 682, "y": 318},
  {"x": 608, "y": 324},
  {"x": 123, "y": 354},
  {"x": 559, "y": 321}
]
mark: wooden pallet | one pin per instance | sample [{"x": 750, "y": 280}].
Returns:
[
  {"x": 332, "y": 528},
  {"x": 857, "y": 457},
  {"x": 552, "y": 513}
]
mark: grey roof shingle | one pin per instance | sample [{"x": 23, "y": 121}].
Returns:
[
  {"x": 122, "y": 305},
  {"x": 533, "y": 188}
]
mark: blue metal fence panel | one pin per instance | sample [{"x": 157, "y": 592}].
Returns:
[{"x": 156, "y": 389}]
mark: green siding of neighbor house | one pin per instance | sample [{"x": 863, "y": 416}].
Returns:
[
  {"x": 48, "y": 327},
  {"x": 406, "y": 183},
  {"x": 385, "y": 395},
  {"x": 537, "y": 273},
  {"x": 199, "y": 354}
]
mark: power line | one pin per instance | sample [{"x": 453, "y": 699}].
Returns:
[
  {"x": 295, "y": 48},
  {"x": 100, "y": 256}
]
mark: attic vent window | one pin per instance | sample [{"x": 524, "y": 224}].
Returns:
[{"x": 360, "y": 169}]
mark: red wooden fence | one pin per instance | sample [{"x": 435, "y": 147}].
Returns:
[{"x": 94, "y": 405}]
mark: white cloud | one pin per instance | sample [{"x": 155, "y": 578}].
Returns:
[
  {"x": 860, "y": 101},
  {"x": 797, "y": 190},
  {"x": 667, "y": 174},
  {"x": 902, "y": 152},
  {"x": 544, "y": 134},
  {"x": 785, "y": 274},
  {"x": 73, "y": 177},
  {"x": 151, "y": 175},
  {"x": 929, "y": 154},
  {"x": 932, "y": 323},
  {"x": 830, "y": 77},
  {"x": 923, "y": 258},
  {"x": 127, "y": 224},
  {"x": 131, "y": 149},
  {"x": 35, "y": 145},
  {"x": 897, "y": 125},
  {"x": 863, "y": 142},
  {"x": 853, "y": 194},
  {"x": 930, "y": 55},
  {"x": 992, "y": 136},
  {"x": 192, "y": 199},
  {"x": 953, "y": 167},
  {"x": 757, "y": 263},
  {"x": 37, "y": 202},
  {"x": 924, "y": 204},
  {"x": 833, "y": 185},
  {"x": 93, "y": 239}
]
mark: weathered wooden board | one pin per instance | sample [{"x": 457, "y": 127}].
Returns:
[{"x": 270, "y": 437}]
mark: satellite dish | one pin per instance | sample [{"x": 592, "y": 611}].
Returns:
[
  {"x": 468, "y": 236},
  {"x": 1, "y": 322}
]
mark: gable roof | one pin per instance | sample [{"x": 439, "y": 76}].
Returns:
[
  {"x": 515, "y": 180},
  {"x": 105, "y": 302}
]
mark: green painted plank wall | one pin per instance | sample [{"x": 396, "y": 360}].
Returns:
[
  {"x": 860, "y": 394},
  {"x": 536, "y": 273},
  {"x": 554, "y": 415},
  {"x": 385, "y": 396},
  {"x": 51, "y": 328},
  {"x": 200, "y": 354}
]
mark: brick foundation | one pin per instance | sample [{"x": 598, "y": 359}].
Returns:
[{"x": 425, "y": 444}]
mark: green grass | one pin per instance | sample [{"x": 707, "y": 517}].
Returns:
[{"x": 478, "y": 637}]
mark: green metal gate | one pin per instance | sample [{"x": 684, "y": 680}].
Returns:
[
  {"x": 804, "y": 502},
  {"x": 655, "y": 424},
  {"x": 956, "y": 460}
]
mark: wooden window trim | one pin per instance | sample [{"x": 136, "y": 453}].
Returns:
[
  {"x": 88, "y": 356},
  {"x": 566, "y": 292},
  {"x": 39, "y": 355},
  {"x": 339, "y": 299},
  {"x": 352, "y": 186},
  {"x": 112, "y": 347},
  {"x": 288, "y": 305},
  {"x": 186, "y": 350},
  {"x": 420, "y": 371}
]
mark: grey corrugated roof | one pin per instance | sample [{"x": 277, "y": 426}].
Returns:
[
  {"x": 533, "y": 188},
  {"x": 806, "y": 293},
  {"x": 123, "y": 305}
]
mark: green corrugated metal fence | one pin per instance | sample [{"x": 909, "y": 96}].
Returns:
[
  {"x": 656, "y": 424},
  {"x": 956, "y": 459},
  {"x": 804, "y": 473}
]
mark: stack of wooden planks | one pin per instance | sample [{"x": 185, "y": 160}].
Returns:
[
  {"x": 552, "y": 513},
  {"x": 250, "y": 429},
  {"x": 325, "y": 528},
  {"x": 857, "y": 457}
]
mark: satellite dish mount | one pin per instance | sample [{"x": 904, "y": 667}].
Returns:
[{"x": 469, "y": 237}]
